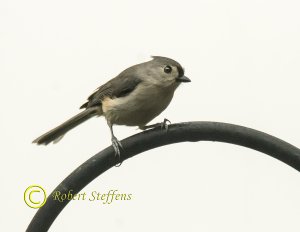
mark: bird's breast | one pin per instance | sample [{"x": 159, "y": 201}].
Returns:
[{"x": 139, "y": 107}]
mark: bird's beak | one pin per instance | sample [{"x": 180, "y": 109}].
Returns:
[{"x": 183, "y": 79}]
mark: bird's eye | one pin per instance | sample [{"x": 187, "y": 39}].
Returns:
[{"x": 168, "y": 69}]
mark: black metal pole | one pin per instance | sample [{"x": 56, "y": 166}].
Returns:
[{"x": 182, "y": 132}]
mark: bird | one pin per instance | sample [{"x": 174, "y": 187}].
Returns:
[{"x": 133, "y": 98}]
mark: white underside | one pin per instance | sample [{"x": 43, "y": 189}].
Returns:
[{"x": 139, "y": 107}]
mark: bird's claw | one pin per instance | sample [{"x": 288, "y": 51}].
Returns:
[
  {"x": 165, "y": 124},
  {"x": 117, "y": 145}
]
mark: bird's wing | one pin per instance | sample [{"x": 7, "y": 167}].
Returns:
[{"x": 119, "y": 86}]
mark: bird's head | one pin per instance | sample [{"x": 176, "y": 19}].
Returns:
[{"x": 166, "y": 72}]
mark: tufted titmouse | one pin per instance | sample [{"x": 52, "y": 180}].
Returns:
[{"x": 133, "y": 98}]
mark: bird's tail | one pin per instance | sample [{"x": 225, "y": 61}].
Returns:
[{"x": 58, "y": 132}]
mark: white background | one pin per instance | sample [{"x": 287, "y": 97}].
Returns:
[{"x": 243, "y": 58}]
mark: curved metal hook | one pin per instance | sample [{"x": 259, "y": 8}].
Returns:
[{"x": 182, "y": 132}]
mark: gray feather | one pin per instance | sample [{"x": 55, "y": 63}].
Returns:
[
  {"x": 58, "y": 132},
  {"x": 119, "y": 86},
  {"x": 128, "y": 80}
]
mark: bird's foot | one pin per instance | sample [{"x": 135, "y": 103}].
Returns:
[
  {"x": 117, "y": 145},
  {"x": 165, "y": 124}
]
